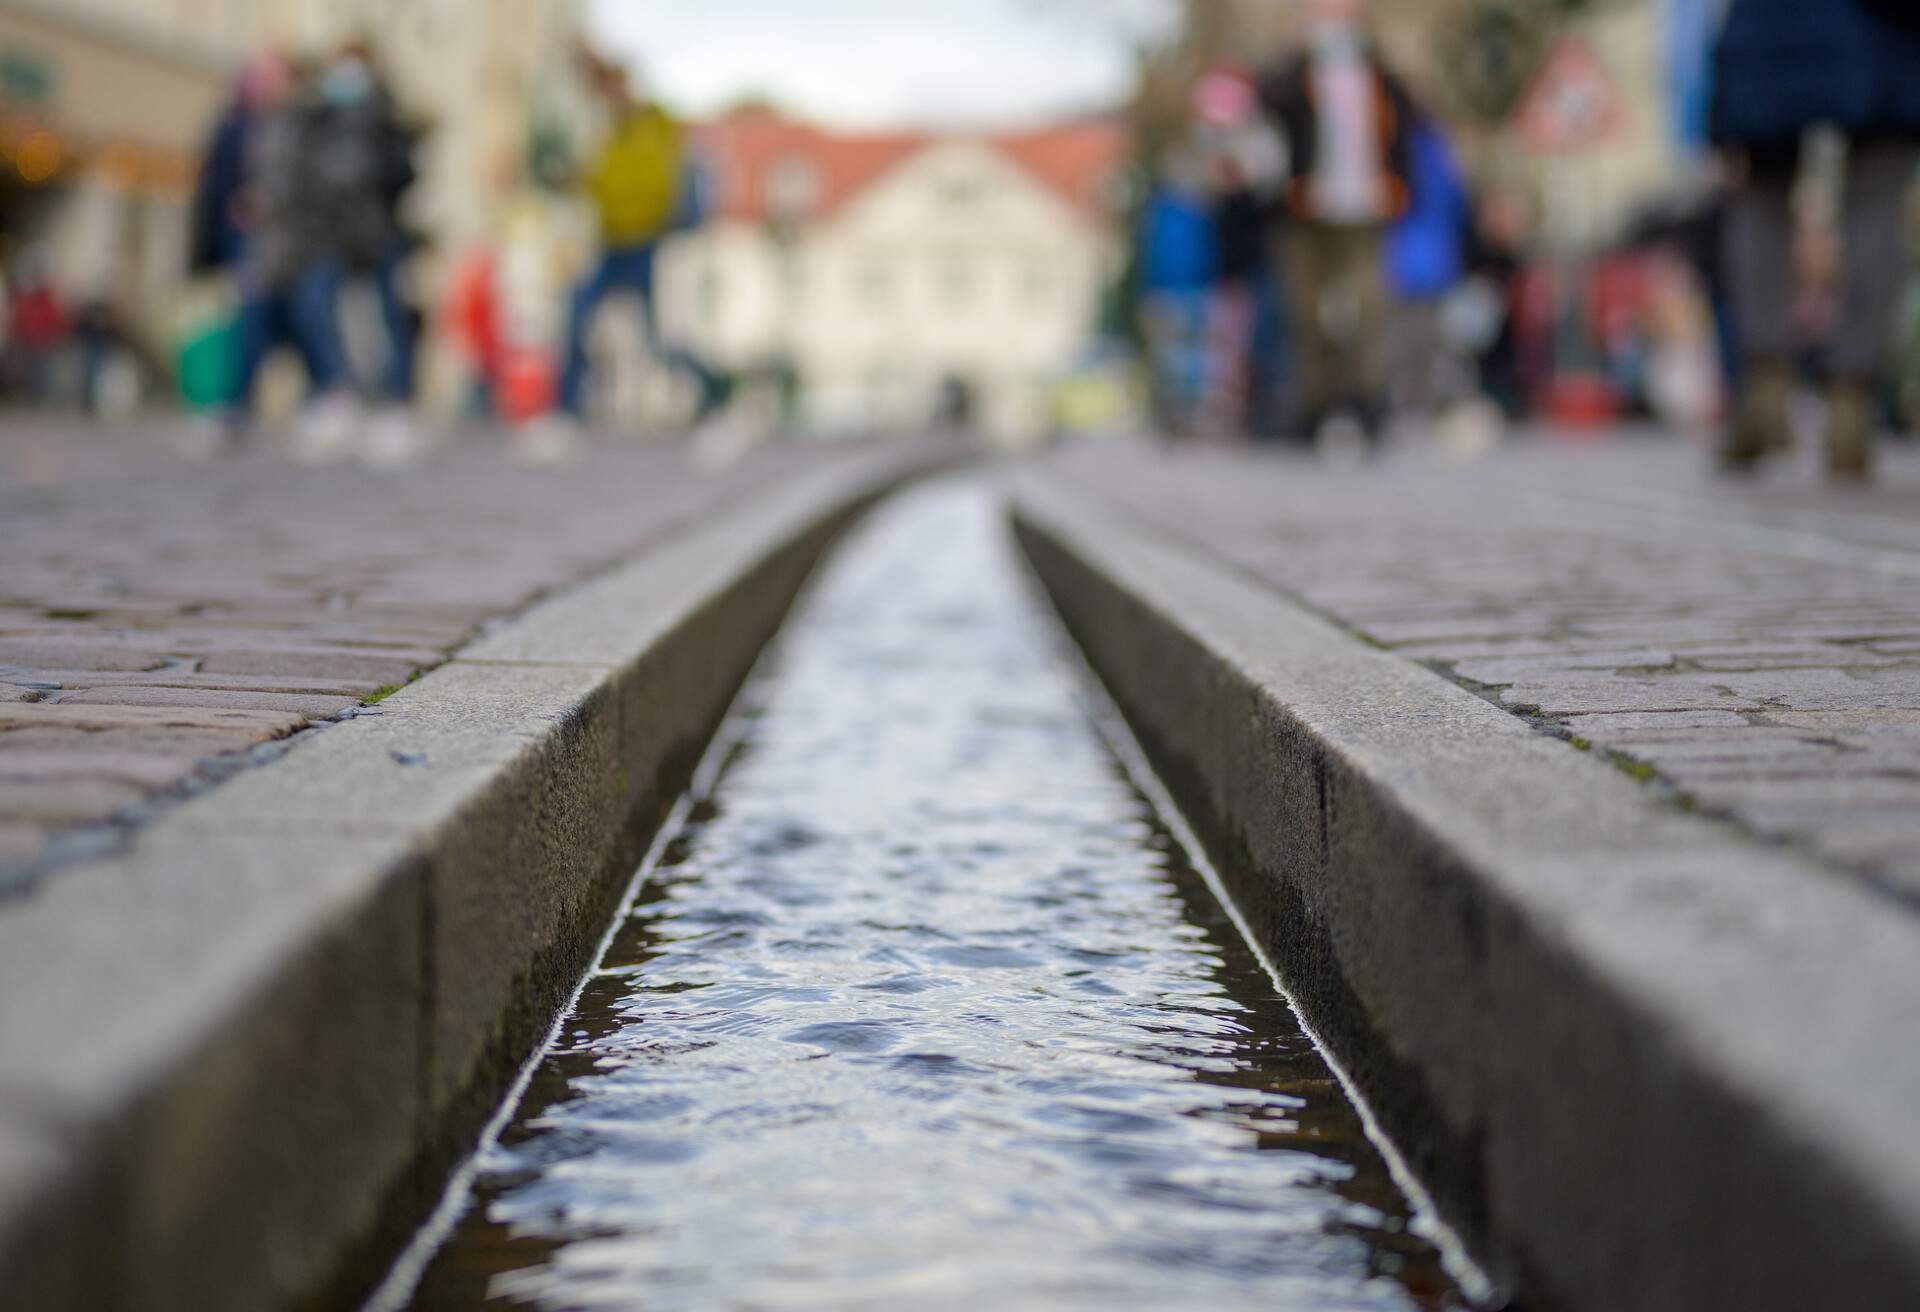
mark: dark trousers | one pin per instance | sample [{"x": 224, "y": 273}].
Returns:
[
  {"x": 624, "y": 269},
  {"x": 1338, "y": 313},
  {"x": 621, "y": 269},
  {"x": 299, "y": 314},
  {"x": 1761, "y": 269},
  {"x": 396, "y": 382}
]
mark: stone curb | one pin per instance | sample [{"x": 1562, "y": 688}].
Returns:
[
  {"x": 1645, "y": 1062},
  {"x": 257, "y": 1039}
]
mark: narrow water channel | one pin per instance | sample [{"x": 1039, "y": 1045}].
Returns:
[{"x": 923, "y": 1007}]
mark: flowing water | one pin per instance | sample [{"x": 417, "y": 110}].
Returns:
[{"x": 923, "y": 1007}]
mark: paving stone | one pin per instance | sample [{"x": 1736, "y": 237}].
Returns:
[
  {"x": 1828, "y": 657},
  {"x": 77, "y": 680},
  {"x": 301, "y": 704},
  {"x": 148, "y": 769},
  {"x": 105, "y": 654},
  {"x": 65, "y": 801},
  {"x": 372, "y": 671},
  {"x": 23, "y": 742},
  {"x": 1755, "y": 746},
  {"x": 20, "y": 841},
  {"x": 1613, "y": 723},
  {"x": 1523, "y": 669},
  {"x": 1826, "y": 690},
  {"x": 1890, "y": 722},
  {"x": 1583, "y": 693},
  {"x": 262, "y": 724}
]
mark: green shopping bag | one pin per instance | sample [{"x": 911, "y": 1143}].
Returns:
[{"x": 208, "y": 364}]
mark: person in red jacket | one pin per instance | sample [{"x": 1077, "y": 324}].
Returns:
[{"x": 38, "y": 321}]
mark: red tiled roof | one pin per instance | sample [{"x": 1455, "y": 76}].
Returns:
[
  {"x": 747, "y": 146},
  {"x": 1075, "y": 160}
]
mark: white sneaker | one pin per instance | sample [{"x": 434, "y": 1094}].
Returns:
[
  {"x": 323, "y": 433},
  {"x": 1470, "y": 430},
  {"x": 547, "y": 442},
  {"x": 394, "y": 439}
]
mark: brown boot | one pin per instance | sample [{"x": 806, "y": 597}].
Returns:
[
  {"x": 1763, "y": 420},
  {"x": 1849, "y": 433}
]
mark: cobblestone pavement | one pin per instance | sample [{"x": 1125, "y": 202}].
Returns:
[
  {"x": 1753, "y": 647},
  {"x": 160, "y": 620}
]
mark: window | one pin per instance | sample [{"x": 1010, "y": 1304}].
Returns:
[
  {"x": 709, "y": 290},
  {"x": 793, "y": 276},
  {"x": 875, "y": 281},
  {"x": 793, "y": 188},
  {"x": 956, "y": 281},
  {"x": 1036, "y": 283},
  {"x": 961, "y": 191}
]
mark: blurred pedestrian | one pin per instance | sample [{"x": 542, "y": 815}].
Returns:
[
  {"x": 281, "y": 245},
  {"x": 1240, "y": 268},
  {"x": 637, "y": 183},
  {"x": 1482, "y": 312},
  {"x": 117, "y": 367},
  {"x": 217, "y": 224},
  {"x": 1426, "y": 262},
  {"x": 1782, "y": 67},
  {"x": 38, "y": 322},
  {"x": 216, "y": 239},
  {"x": 1345, "y": 117},
  {"x": 472, "y": 315},
  {"x": 1175, "y": 270},
  {"x": 371, "y": 147},
  {"x": 1246, "y": 163}
]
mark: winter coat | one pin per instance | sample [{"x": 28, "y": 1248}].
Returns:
[
  {"x": 1782, "y": 66},
  {"x": 214, "y": 239},
  {"x": 637, "y": 178},
  {"x": 361, "y": 161},
  {"x": 327, "y": 184},
  {"x": 1426, "y": 250},
  {"x": 282, "y": 238},
  {"x": 1286, "y": 94},
  {"x": 1240, "y": 236},
  {"x": 1176, "y": 243}
]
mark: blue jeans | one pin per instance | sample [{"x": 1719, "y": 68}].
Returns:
[
  {"x": 299, "y": 314},
  {"x": 1175, "y": 324},
  {"x": 621, "y": 269},
  {"x": 397, "y": 382}
]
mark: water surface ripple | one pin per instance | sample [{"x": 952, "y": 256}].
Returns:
[{"x": 925, "y": 1009}]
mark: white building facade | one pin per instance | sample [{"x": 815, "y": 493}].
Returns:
[{"x": 955, "y": 266}]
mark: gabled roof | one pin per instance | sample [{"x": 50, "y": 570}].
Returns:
[
  {"x": 748, "y": 147},
  {"x": 1074, "y": 160}
]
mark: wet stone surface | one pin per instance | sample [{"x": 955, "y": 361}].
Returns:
[{"x": 924, "y": 1008}]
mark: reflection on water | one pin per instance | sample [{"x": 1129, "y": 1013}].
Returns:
[{"x": 924, "y": 1009}]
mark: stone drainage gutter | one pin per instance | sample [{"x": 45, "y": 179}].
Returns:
[
  {"x": 1643, "y": 1061},
  {"x": 237, "y": 1060}
]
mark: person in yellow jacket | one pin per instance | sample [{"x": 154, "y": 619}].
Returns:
[{"x": 637, "y": 183}]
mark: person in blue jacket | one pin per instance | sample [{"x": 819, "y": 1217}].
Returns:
[
  {"x": 1426, "y": 259},
  {"x": 1780, "y": 68},
  {"x": 1176, "y": 266}
]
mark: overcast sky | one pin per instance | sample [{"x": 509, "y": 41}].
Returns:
[{"x": 885, "y": 62}]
